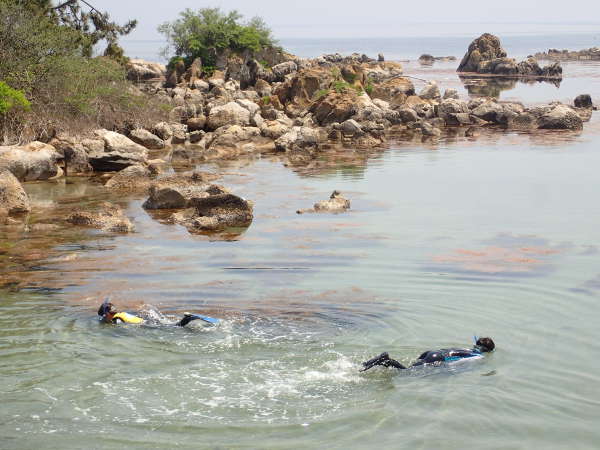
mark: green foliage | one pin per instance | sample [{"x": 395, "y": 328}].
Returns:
[
  {"x": 266, "y": 100},
  {"x": 12, "y": 99},
  {"x": 369, "y": 88},
  {"x": 341, "y": 86},
  {"x": 350, "y": 77},
  {"x": 320, "y": 94},
  {"x": 45, "y": 60},
  {"x": 208, "y": 31}
]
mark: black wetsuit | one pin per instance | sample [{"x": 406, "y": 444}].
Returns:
[{"x": 432, "y": 357}]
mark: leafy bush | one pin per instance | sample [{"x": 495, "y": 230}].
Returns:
[
  {"x": 369, "y": 88},
  {"x": 207, "y": 32},
  {"x": 67, "y": 91},
  {"x": 11, "y": 98}
]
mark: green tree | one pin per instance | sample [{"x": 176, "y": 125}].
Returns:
[
  {"x": 206, "y": 32},
  {"x": 11, "y": 98}
]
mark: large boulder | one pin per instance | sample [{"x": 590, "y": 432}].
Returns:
[
  {"x": 298, "y": 138},
  {"x": 430, "y": 92},
  {"x": 76, "y": 160},
  {"x": 229, "y": 114},
  {"x": 140, "y": 70},
  {"x": 561, "y": 117},
  {"x": 163, "y": 130},
  {"x": 485, "y": 48},
  {"x": 147, "y": 139},
  {"x": 216, "y": 213},
  {"x": 176, "y": 192},
  {"x": 486, "y": 56},
  {"x": 114, "y": 161},
  {"x": 13, "y": 198},
  {"x": 116, "y": 142},
  {"x": 281, "y": 70},
  {"x": 108, "y": 217},
  {"x": 489, "y": 111},
  {"x": 335, "y": 107},
  {"x": 395, "y": 90},
  {"x": 34, "y": 161}
]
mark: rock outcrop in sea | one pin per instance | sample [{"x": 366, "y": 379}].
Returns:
[{"x": 486, "y": 56}]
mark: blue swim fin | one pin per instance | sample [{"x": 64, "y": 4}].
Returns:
[{"x": 188, "y": 317}]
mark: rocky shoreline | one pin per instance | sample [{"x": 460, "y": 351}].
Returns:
[
  {"x": 297, "y": 108},
  {"x": 588, "y": 54}
]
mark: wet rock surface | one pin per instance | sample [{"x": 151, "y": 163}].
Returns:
[
  {"x": 13, "y": 198},
  {"x": 335, "y": 204},
  {"x": 216, "y": 213},
  {"x": 108, "y": 217},
  {"x": 486, "y": 56}
]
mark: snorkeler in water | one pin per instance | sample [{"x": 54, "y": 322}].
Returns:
[
  {"x": 109, "y": 314},
  {"x": 436, "y": 357}
]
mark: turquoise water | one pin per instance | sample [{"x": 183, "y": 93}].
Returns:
[{"x": 495, "y": 235}]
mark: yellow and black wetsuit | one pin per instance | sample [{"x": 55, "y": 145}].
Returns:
[{"x": 126, "y": 318}]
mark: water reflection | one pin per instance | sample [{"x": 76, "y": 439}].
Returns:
[{"x": 493, "y": 87}]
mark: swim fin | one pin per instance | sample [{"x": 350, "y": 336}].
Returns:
[
  {"x": 382, "y": 360},
  {"x": 188, "y": 317}
]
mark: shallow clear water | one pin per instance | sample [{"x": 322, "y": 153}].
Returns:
[{"x": 496, "y": 235}]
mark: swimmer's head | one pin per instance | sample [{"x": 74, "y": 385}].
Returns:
[
  {"x": 106, "y": 309},
  {"x": 486, "y": 344}
]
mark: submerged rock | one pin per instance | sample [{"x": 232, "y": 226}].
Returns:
[
  {"x": 216, "y": 213},
  {"x": 13, "y": 198},
  {"x": 132, "y": 178},
  {"x": 336, "y": 204},
  {"x": 109, "y": 217}
]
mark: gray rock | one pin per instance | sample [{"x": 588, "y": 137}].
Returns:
[
  {"x": 115, "y": 142},
  {"x": 115, "y": 161},
  {"x": 335, "y": 204},
  {"x": 430, "y": 92},
  {"x": 216, "y": 213},
  {"x": 34, "y": 161},
  {"x": 179, "y": 134},
  {"x": 163, "y": 131},
  {"x": 408, "y": 115},
  {"x": 147, "y": 139},
  {"x": 351, "y": 127},
  {"x": 297, "y": 138},
  {"x": 132, "y": 178},
  {"x": 283, "y": 69},
  {"x": 178, "y": 194},
  {"x": 228, "y": 114},
  {"x": 451, "y": 93},
  {"x": 196, "y": 123},
  {"x": 108, "y": 217},
  {"x": 13, "y": 198},
  {"x": 583, "y": 101},
  {"x": 488, "y": 111},
  {"x": 561, "y": 117}
]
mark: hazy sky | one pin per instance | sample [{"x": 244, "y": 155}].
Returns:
[{"x": 353, "y": 18}]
